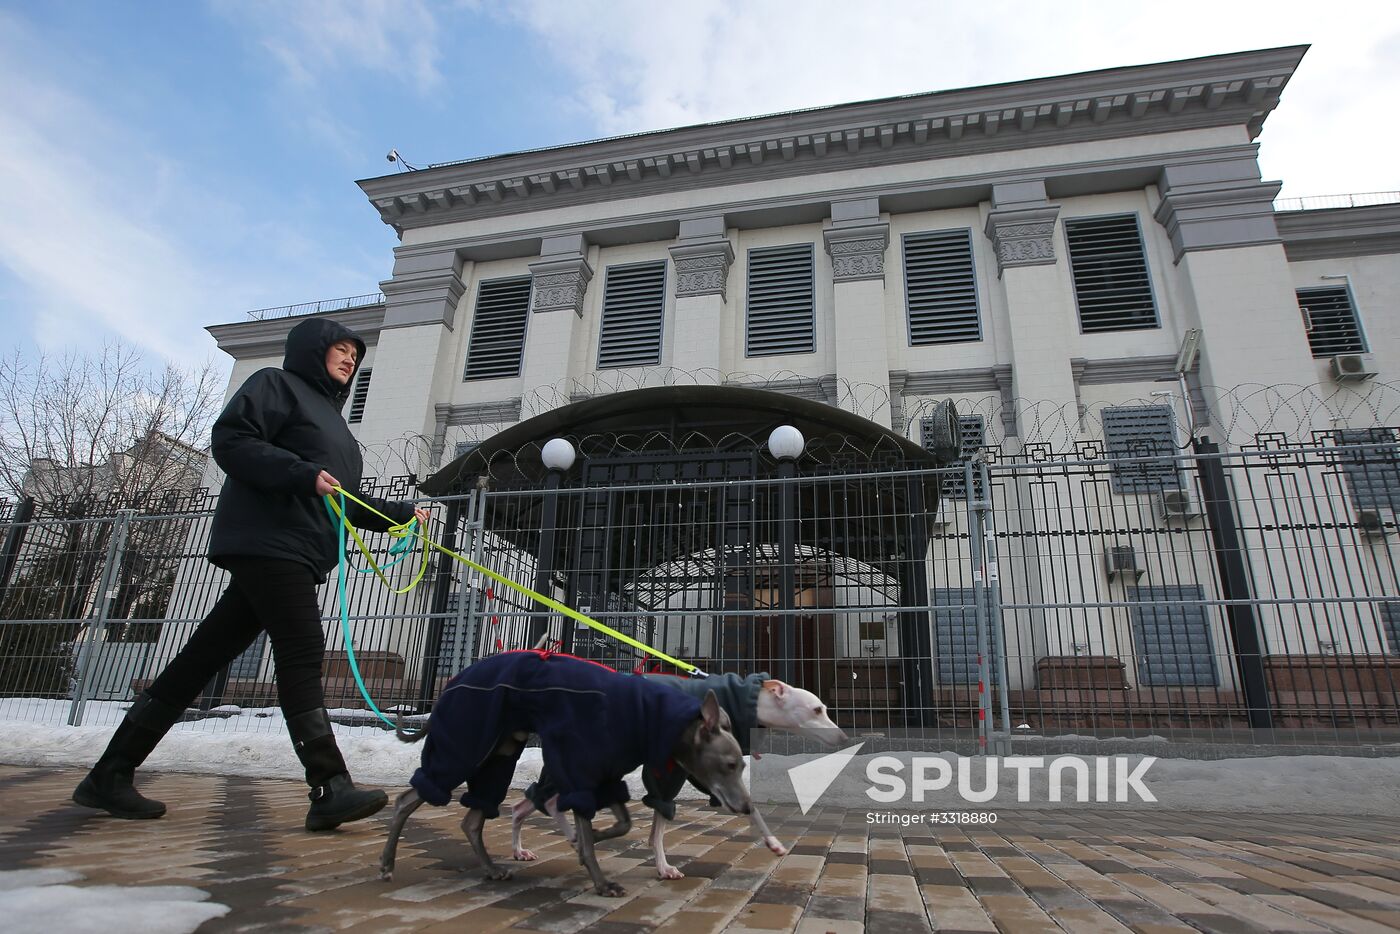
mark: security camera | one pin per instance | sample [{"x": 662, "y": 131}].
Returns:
[{"x": 393, "y": 155}]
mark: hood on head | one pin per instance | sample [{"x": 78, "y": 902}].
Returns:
[{"x": 305, "y": 355}]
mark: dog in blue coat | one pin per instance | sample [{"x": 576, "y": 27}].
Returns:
[{"x": 595, "y": 726}]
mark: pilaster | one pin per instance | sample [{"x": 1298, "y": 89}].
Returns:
[
  {"x": 1216, "y": 206},
  {"x": 702, "y": 257},
  {"x": 560, "y": 284},
  {"x": 856, "y": 241}
]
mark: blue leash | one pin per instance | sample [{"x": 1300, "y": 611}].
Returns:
[{"x": 401, "y": 548}]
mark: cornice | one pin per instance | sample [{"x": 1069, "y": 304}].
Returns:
[
  {"x": 265, "y": 338},
  {"x": 1337, "y": 232},
  {"x": 1235, "y": 89},
  {"x": 478, "y": 413}
]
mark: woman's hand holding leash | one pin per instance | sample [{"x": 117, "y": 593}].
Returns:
[{"x": 326, "y": 484}]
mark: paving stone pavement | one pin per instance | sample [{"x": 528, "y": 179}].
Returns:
[{"x": 240, "y": 839}]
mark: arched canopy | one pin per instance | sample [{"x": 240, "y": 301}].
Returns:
[{"x": 678, "y": 419}]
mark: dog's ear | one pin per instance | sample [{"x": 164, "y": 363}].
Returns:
[
  {"x": 776, "y": 687},
  {"x": 709, "y": 712}
]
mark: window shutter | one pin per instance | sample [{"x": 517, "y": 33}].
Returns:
[
  {"x": 1331, "y": 321},
  {"x": 1173, "y": 637},
  {"x": 955, "y": 636},
  {"x": 940, "y": 290},
  {"x": 497, "y": 342},
  {"x": 1141, "y": 431},
  {"x": 1109, "y": 266},
  {"x": 973, "y": 429},
  {"x": 634, "y": 301},
  {"x": 1390, "y": 619},
  {"x": 781, "y": 316},
  {"x": 360, "y": 395},
  {"x": 1373, "y": 474}
]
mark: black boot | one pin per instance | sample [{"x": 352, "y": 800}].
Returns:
[
  {"x": 334, "y": 798},
  {"x": 108, "y": 786}
]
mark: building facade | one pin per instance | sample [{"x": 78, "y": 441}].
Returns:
[{"x": 1090, "y": 266}]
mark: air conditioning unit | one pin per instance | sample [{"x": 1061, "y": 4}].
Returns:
[
  {"x": 1177, "y": 504},
  {"x": 1352, "y": 367},
  {"x": 1374, "y": 523},
  {"x": 1122, "y": 561}
]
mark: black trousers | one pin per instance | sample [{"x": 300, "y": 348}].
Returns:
[{"x": 276, "y": 597}]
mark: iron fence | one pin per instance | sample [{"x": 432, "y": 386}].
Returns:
[{"x": 1245, "y": 596}]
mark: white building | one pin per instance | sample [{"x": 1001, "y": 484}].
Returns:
[{"x": 1040, "y": 251}]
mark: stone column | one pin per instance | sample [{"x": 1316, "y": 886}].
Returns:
[
  {"x": 702, "y": 257},
  {"x": 561, "y": 277},
  {"x": 1021, "y": 226},
  {"x": 411, "y": 354},
  {"x": 856, "y": 242}
]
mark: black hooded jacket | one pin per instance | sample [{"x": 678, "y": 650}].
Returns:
[{"x": 275, "y": 436}]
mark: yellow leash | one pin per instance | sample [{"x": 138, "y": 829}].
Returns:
[{"x": 401, "y": 529}]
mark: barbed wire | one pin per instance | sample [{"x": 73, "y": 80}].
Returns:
[{"x": 1239, "y": 416}]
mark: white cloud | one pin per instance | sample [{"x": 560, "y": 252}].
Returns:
[
  {"x": 643, "y": 66},
  {"x": 311, "y": 38},
  {"x": 102, "y": 233}
]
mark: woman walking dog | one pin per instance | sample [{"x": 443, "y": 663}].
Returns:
[{"x": 284, "y": 445}]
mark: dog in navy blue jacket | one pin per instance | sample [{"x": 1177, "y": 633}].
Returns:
[{"x": 595, "y": 726}]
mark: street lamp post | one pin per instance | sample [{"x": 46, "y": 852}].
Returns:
[
  {"x": 786, "y": 444},
  {"x": 558, "y": 456}
]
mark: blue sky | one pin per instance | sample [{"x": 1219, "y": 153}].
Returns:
[{"x": 174, "y": 163}]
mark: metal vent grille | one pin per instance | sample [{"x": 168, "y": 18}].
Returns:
[
  {"x": 1173, "y": 637},
  {"x": 1111, "y": 284},
  {"x": 1373, "y": 474},
  {"x": 360, "y": 396},
  {"x": 1331, "y": 322},
  {"x": 940, "y": 290},
  {"x": 1390, "y": 619},
  {"x": 1141, "y": 431},
  {"x": 498, "y": 329},
  {"x": 781, "y": 316},
  {"x": 973, "y": 429},
  {"x": 955, "y": 636},
  {"x": 634, "y": 302}
]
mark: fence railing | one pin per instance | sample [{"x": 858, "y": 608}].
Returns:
[
  {"x": 316, "y": 308},
  {"x": 1248, "y": 596},
  {"x": 1322, "y": 202}
]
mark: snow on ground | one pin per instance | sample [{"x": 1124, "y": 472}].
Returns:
[
  {"x": 41, "y": 901},
  {"x": 253, "y": 742}
]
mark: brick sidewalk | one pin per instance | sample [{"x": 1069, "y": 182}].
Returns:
[{"x": 240, "y": 840}]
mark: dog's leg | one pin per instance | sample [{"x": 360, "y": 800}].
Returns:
[
  {"x": 621, "y": 824},
  {"x": 566, "y": 826},
  {"x": 589, "y": 858},
  {"x": 664, "y": 870},
  {"x": 404, "y": 805},
  {"x": 518, "y": 813},
  {"x": 472, "y": 826},
  {"x": 760, "y": 830}
]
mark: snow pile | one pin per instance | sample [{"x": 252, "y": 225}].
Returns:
[{"x": 41, "y": 901}]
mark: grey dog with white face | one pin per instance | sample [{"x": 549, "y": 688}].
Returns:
[{"x": 595, "y": 726}]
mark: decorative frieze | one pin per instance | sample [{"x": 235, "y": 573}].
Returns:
[
  {"x": 1023, "y": 236},
  {"x": 702, "y": 268},
  {"x": 560, "y": 284},
  {"x": 857, "y": 252}
]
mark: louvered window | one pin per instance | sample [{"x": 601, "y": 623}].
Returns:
[
  {"x": 634, "y": 301},
  {"x": 1331, "y": 322},
  {"x": 1372, "y": 473},
  {"x": 940, "y": 290},
  {"x": 498, "y": 329},
  {"x": 1173, "y": 637},
  {"x": 360, "y": 395},
  {"x": 973, "y": 429},
  {"x": 1109, "y": 265},
  {"x": 955, "y": 637},
  {"x": 1390, "y": 620},
  {"x": 1135, "y": 431},
  {"x": 781, "y": 315}
]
